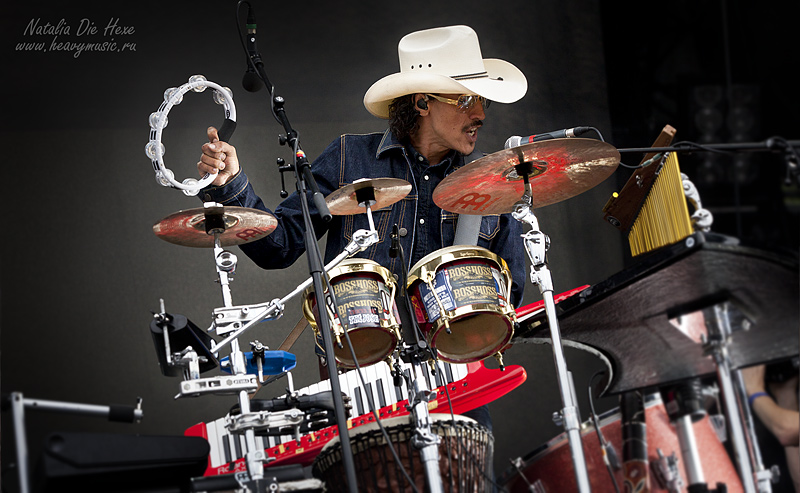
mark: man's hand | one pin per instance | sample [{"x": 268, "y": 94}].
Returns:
[{"x": 218, "y": 158}]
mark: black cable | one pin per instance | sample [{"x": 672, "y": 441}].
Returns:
[
  {"x": 771, "y": 144},
  {"x": 595, "y": 130},
  {"x": 659, "y": 156},
  {"x": 603, "y": 443},
  {"x": 370, "y": 402},
  {"x": 371, "y": 405}
]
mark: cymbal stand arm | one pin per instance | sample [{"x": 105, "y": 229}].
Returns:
[
  {"x": 536, "y": 244},
  {"x": 247, "y": 316}
]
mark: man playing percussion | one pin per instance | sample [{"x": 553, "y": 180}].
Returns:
[{"x": 435, "y": 105}]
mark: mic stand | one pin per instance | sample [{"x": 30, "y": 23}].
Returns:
[
  {"x": 305, "y": 180},
  {"x": 419, "y": 395},
  {"x": 536, "y": 244},
  {"x": 773, "y": 144}
]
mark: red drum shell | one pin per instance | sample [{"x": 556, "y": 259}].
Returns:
[{"x": 551, "y": 464}]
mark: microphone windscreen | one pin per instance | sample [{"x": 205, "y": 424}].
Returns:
[
  {"x": 251, "y": 82},
  {"x": 513, "y": 141}
]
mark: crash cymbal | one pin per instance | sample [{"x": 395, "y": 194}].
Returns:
[
  {"x": 559, "y": 169},
  {"x": 242, "y": 225},
  {"x": 386, "y": 191}
]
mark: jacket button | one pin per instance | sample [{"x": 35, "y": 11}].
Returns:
[{"x": 403, "y": 231}]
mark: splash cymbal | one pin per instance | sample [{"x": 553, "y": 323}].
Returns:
[
  {"x": 241, "y": 225},
  {"x": 559, "y": 169},
  {"x": 347, "y": 200}
]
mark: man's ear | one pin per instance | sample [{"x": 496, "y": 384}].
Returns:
[{"x": 421, "y": 103}]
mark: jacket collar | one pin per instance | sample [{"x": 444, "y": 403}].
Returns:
[{"x": 390, "y": 141}]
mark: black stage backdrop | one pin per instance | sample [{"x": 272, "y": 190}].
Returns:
[{"x": 82, "y": 270}]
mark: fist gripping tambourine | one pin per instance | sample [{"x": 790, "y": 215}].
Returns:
[{"x": 158, "y": 120}]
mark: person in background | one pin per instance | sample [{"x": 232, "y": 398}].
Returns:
[{"x": 776, "y": 406}]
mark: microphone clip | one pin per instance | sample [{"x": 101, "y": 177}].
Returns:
[{"x": 394, "y": 249}]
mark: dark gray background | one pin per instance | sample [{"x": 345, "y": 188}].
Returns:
[{"x": 82, "y": 270}]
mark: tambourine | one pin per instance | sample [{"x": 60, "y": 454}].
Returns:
[{"x": 158, "y": 120}]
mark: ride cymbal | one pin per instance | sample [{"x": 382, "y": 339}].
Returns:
[
  {"x": 347, "y": 200},
  {"x": 241, "y": 225},
  {"x": 558, "y": 169}
]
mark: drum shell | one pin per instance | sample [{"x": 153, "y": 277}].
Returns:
[
  {"x": 472, "y": 287},
  {"x": 551, "y": 464},
  {"x": 370, "y": 289}
]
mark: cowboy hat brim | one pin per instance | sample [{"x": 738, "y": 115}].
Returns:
[{"x": 505, "y": 84}]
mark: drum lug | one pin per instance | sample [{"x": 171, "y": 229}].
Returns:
[
  {"x": 429, "y": 277},
  {"x": 339, "y": 341}
]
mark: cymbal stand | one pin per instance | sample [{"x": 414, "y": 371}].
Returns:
[
  {"x": 716, "y": 345},
  {"x": 233, "y": 321},
  {"x": 18, "y": 403},
  {"x": 225, "y": 264},
  {"x": 763, "y": 476},
  {"x": 537, "y": 244}
]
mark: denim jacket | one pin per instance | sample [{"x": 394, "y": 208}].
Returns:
[{"x": 423, "y": 227}]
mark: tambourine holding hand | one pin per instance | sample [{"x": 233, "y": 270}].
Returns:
[{"x": 218, "y": 158}]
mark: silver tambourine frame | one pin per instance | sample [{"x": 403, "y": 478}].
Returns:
[{"x": 158, "y": 120}]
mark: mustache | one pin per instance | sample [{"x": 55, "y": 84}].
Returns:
[{"x": 475, "y": 123}]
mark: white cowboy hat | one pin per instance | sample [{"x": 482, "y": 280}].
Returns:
[{"x": 446, "y": 60}]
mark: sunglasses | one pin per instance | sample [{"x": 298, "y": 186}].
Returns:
[{"x": 464, "y": 102}]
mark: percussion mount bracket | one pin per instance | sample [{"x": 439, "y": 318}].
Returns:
[
  {"x": 266, "y": 420},
  {"x": 220, "y": 385}
]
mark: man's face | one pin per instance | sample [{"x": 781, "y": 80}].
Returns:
[{"x": 449, "y": 127}]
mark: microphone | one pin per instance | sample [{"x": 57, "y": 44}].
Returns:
[
  {"x": 516, "y": 140},
  {"x": 250, "y": 81}
]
